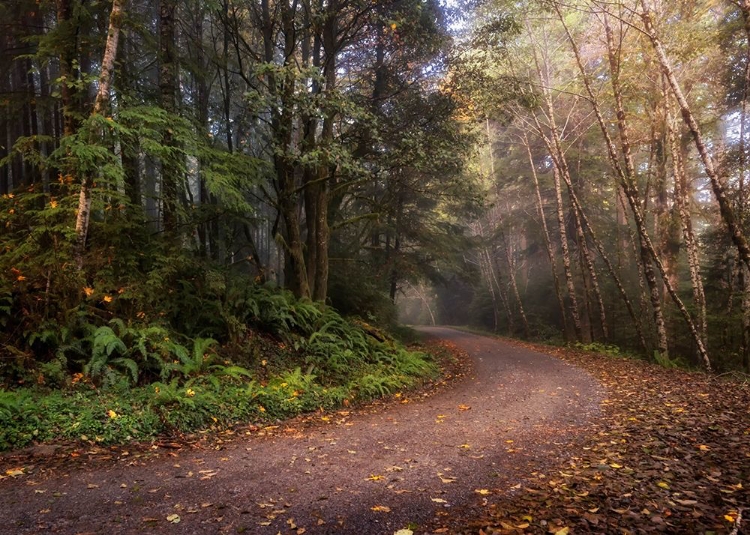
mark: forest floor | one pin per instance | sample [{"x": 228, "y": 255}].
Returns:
[
  {"x": 670, "y": 453},
  {"x": 517, "y": 442}
]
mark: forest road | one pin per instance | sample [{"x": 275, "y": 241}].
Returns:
[{"x": 370, "y": 472}]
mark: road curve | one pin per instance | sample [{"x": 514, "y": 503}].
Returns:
[{"x": 369, "y": 472}]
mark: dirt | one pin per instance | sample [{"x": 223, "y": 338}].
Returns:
[{"x": 400, "y": 465}]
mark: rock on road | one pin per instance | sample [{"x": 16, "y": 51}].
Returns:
[{"x": 372, "y": 472}]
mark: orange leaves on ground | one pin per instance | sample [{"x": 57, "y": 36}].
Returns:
[
  {"x": 668, "y": 453},
  {"x": 381, "y": 509}
]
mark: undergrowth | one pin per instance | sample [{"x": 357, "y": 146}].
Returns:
[{"x": 273, "y": 356}]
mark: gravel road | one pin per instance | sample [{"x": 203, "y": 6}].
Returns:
[{"x": 365, "y": 471}]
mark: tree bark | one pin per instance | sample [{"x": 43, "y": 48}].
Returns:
[
  {"x": 682, "y": 202},
  {"x": 102, "y": 97},
  {"x": 545, "y": 234},
  {"x": 627, "y": 182},
  {"x": 556, "y": 147},
  {"x": 506, "y": 241},
  {"x": 168, "y": 95},
  {"x": 725, "y": 207}
]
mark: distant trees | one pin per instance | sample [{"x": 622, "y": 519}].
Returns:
[
  {"x": 623, "y": 121},
  {"x": 153, "y": 154}
]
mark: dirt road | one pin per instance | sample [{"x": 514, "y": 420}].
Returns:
[{"x": 372, "y": 471}]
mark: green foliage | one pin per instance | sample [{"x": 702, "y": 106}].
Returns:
[
  {"x": 125, "y": 380},
  {"x": 601, "y": 348}
]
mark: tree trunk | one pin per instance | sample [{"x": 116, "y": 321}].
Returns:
[
  {"x": 627, "y": 182},
  {"x": 506, "y": 241},
  {"x": 545, "y": 234},
  {"x": 102, "y": 97},
  {"x": 556, "y": 147},
  {"x": 168, "y": 97},
  {"x": 67, "y": 57},
  {"x": 326, "y": 167},
  {"x": 682, "y": 196},
  {"x": 725, "y": 207},
  {"x": 282, "y": 87}
]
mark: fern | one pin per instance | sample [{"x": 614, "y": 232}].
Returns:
[
  {"x": 107, "y": 342},
  {"x": 15, "y": 404}
]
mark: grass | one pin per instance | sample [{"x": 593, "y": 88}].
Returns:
[{"x": 289, "y": 383}]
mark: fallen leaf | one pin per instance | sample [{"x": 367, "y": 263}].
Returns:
[
  {"x": 438, "y": 500},
  {"x": 174, "y": 519},
  {"x": 374, "y": 477},
  {"x": 483, "y": 492},
  {"x": 381, "y": 509}
]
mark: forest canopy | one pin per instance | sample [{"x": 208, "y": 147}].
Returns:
[{"x": 569, "y": 171}]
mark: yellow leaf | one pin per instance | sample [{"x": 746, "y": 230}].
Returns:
[
  {"x": 112, "y": 414},
  {"x": 730, "y": 518},
  {"x": 381, "y": 509},
  {"x": 615, "y": 465},
  {"x": 483, "y": 492},
  {"x": 107, "y": 298},
  {"x": 393, "y": 26},
  {"x": 15, "y": 472},
  {"x": 174, "y": 519},
  {"x": 523, "y": 526},
  {"x": 703, "y": 447},
  {"x": 438, "y": 500},
  {"x": 463, "y": 407},
  {"x": 374, "y": 477},
  {"x": 88, "y": 291},
  {"x": 663, "y": 484},
  {"x": 563, "y": 531}
]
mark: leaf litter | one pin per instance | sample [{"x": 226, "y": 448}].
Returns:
[{"x": 670, "y": 453}]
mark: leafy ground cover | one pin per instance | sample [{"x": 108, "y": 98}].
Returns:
[
  {"x": 63, "y": 454},
  {"x": 670, "y": 454},
  {"x": 120, "y": 382}
]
